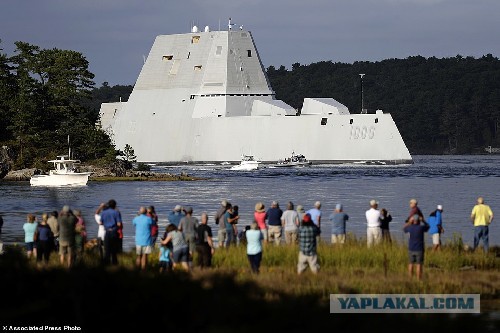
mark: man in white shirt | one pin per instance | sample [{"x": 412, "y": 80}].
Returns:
[{"x": 373, "y": 232}]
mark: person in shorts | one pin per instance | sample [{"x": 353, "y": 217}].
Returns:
[
  {"x": 416, "y": 227},
  {"x": 180, "y": 248},
  {"x": 436, "y": 227},
  {"x": 142, "y": 224},
  {"x": 67, "y": 223}
]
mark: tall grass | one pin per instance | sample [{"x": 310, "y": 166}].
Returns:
[{"x": 348, "y": 268}]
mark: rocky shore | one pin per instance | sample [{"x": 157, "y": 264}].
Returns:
[{"x": 105, "y": 174}]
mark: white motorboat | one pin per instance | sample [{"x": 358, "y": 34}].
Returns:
[
  {"x": 64, "y": 174},
  {"x": 247, "y": 163},
  {"x": 296, "y": 160}
]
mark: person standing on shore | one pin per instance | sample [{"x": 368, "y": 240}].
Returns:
[
  {"x": 301, "y": 212},
  {"x": 44, "y": 241},
  {"x": 204, "y": 244},
  {"x": 385, "y": 219},
  {"x": 219, "y": 220},
  {"x": 29, "y": 235},
  {"x": 416, "y": 227},
  {"x": 316, "y": 218},
  {"x": 101, "y": 231},
  {"x": 290, "y": 224},
  {"x": 227, "y": 223},
  {"x": 273, "y": 217},
  {"x": 436, "y": 227},
  {"x": 481, "y": 216},
  {"x": 67, "y": 223},
  {"x": 112, "y": 221},
  {"x": 180, "y": 248},
  {"x": 414, "y": 209},
  {"x": 338, "y": 219},
  {"x": 175, "y": 216},
  {"x": 54, "y": 227},
  {"x": 154, "y": 228},
  {"x": 373, "y": 232},
  {"x": 254, "y": 247},
  {"x": 188, "y": 226},
  {"x": 259, "y": 217},
  {"x": 80, "y": 234},
  {"x": 165, "y": 257},
  {"x": 236, "y": 218},
  {"x": 308, "y": 256},
  {"x": 142, "y": 224}
]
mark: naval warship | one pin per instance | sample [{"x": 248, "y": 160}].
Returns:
[{"x": 204, "y": 96}]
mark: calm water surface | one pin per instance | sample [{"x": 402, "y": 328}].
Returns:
[{"x": 452, "y": 181}]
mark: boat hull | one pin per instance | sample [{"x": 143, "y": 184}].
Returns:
[
  {"x": 292, "y": 165},
  {"x": 60, "y": 180},
  {"x": 344, "y": 138}
]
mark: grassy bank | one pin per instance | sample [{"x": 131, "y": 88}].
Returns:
[{"x": 229, "y": 298}]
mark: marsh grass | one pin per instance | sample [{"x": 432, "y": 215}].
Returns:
[{"x": 230, "y": 286}]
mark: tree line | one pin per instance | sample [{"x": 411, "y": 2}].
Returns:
[
  {"x": 448, "y": 105},
  {"x": 45, "y": 97}
]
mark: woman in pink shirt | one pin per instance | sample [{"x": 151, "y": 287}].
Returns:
[{"x": 260, "y": 218}]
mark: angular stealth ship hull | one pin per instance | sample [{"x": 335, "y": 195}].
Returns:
[{"x": 204, "y": 97}]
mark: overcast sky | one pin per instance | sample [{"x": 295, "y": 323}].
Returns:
[{"x": 114, "y": 35}]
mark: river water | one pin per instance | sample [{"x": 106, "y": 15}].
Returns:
[{"x": 452, "y": 181}]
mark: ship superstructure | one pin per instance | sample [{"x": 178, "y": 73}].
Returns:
[{"x": 204, "y": 97}]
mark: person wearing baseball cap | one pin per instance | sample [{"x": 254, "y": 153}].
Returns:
[
  {"x": 175, "y": 216},
  {"x": 435, "y": 222}
]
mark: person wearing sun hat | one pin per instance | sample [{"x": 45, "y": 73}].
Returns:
[
  {"x": 435, "y": 222},
  {"x": 259, "y": 216}
]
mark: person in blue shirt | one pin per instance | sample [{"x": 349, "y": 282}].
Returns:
[
  {"x": 111, "y": 219},
  {"x": 316, "y": 218},
  {"x": 142, "y": 224},
  {"x": 416, "y": 227},
  {"x": 338, "y": 219},
  {"x": 165, "y": 258},
  {"x": 176, "y": 215},
  {"x": 435, "y": 221},
  {"x": 273, "y": 215}
]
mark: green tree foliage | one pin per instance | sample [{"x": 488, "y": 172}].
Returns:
[
  {"x": 43, "y": 101},
  {"x": 449, "y": 105}
]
